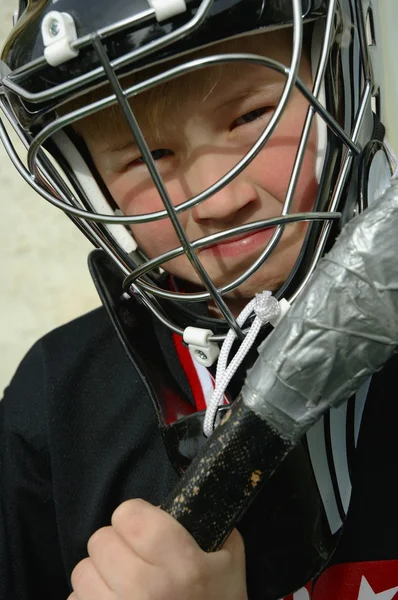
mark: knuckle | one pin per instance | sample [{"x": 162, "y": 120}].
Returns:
[
  {"x": 194, "y": 570},
  {"x": 80, "y": 573},
  {"x": 127, "y": 510},
  {"x": 195, "y": 580},
  {"x": 239, "y": 543},
  {"x": 235, "y": 543},
  {"x": 127, "y": 587},
  {"x": 200, "y": 571},
  {"x": 98, "y": 539},
  {"x": 166, "y": 585}
]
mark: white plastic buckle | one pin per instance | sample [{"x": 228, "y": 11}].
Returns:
[
  {"x": 284, "y": 307},
  {"x": 58, "y": 31},
  {"x": 166, "y": 9},
  {"x": 204, "y": 352}
]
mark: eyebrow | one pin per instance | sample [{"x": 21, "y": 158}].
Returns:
[
  {"x": 125, "y": 145},
  {"x": 252, "y": 90},
  {"x": 231, "y": 97}
]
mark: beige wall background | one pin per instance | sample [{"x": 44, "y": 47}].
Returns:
[{"x": 44, "y": 278}]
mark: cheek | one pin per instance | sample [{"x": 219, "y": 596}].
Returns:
[
  {"x": 272, "y": 169},
  {"x": 137, "y": 195},
  {"x": 155, "y": 238},
  {"x": 135, "y": 199}
]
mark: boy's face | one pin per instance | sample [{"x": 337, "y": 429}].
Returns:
[{"x": 198, "y": 127}]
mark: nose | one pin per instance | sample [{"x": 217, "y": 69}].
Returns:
[{"x": 228, "y": 204}]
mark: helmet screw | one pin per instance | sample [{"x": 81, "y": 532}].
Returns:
[
  {"x": 202, "y": 350},
  {"x": 201, "y": 355},
  {"x": 54, "y": 28}
]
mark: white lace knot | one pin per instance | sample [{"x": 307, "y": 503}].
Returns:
[{"x": 266, "y": 309}]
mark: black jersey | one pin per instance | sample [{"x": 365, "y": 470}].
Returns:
[{"x": 79, "y": 435}]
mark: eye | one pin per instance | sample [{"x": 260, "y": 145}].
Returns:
[
  {"x": 157, "y": 154},
  {"x": 250, "y": 117}
]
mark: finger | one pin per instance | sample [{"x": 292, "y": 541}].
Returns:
[
  {"x": 153, "y": 534},
  {"x": 232, "y": 553},
  {"x": 88, "y": 584},
  {"x": 234, "y": 544},
  {"x": 117, "y": 563}
]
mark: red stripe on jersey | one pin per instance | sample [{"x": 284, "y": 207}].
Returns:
[
  {"x": 187, "y": 363},
  {"x": 354, "y": 581}
]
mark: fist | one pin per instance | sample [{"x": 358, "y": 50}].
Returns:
[{"x": 147, "y": 555}]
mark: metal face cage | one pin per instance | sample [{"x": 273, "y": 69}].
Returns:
[{"x": 87, "y": 61}]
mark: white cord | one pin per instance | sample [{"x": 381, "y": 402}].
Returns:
[{"x": 266, "y": 308}]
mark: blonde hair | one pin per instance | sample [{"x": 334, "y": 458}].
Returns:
[{"x": 168, "y": 98}]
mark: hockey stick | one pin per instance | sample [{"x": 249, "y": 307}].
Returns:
[{"x": 341, "y": 329}]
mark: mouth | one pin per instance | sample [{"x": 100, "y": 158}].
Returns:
[{"x": 240, "y": 245}]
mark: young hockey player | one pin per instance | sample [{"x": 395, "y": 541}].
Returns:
[{"x": 212, "y": 150}]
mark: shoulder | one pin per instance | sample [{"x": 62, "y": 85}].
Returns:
[
  {"x": 55, "y": 366},
  {"x": 76, "y": 337},
  {"x": 63, "y": 347}
]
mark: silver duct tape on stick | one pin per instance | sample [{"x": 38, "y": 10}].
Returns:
[{"x": 342, "y": 328}]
